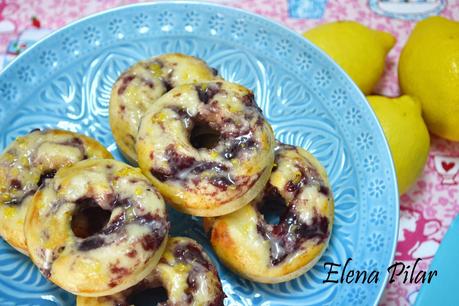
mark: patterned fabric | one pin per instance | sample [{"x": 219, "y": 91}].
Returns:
[
  {"x": 426, "y": 210},
  {"x": 306, "y": 8}
]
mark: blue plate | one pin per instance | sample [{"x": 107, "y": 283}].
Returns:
[{"x": 65, "y": 81}]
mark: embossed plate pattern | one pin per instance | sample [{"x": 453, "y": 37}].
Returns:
[{"x": 65, "y": 81}]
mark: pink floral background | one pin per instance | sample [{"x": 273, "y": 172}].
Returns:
[{"x": 426, "y": 210}]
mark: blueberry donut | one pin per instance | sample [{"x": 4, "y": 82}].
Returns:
[
  {"x": 26, "y": 164},
  {"x": 143, "y": 83},
  {"x": 184, "y": 271},
  {"x": 283, "y": 233},
  {"x": 206, "y": 147},
  {"x": 97, "y": 228}
]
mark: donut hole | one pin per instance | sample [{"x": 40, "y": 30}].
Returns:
[
  {"x": 88, "y": 218},
  {"x": 202, "y": 135},
  {"x": 272, "y": 207},
  {"x": 148, "y": 296}
]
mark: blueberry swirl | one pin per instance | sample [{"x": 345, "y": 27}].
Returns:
[
  {"x": 284, "y": 231},
  {"x": 184, "y": 271},
  {"x": 26, "y": 164},
  {"x": 206, "y": 147},
  {"x": 141, "y": 85},
  {"x": 97, "y": 228}
]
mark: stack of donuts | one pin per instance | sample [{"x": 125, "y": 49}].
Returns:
[{"x": 98, "y": 227}]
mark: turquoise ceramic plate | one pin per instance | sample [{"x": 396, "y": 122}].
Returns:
[{"x": 65, "y": 81}]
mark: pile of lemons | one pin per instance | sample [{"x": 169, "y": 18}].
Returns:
[{"x": 428, "y": 73}]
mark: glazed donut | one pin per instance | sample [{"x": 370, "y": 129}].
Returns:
[
  {"x": 206, "y": 147},
  {"x": 273, "y": 251},
  {"x": 24, "y": 166},
  {"x": 138, "y": 87},
  {"x": 184, "y": 270},
  {"x": 97, "y": 228}
]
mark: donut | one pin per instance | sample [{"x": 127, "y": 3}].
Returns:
[
  {"x": 97, "y": 228},
  {"x": 206, "y": 147},
  {"x": 184, "y": 271},
  {"x": 24, "y": 166},
  {"x": 144, "y": 82},
  {"x": 284, "y": 231}
]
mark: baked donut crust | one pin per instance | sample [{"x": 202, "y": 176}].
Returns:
[
  {"x": 118, "y": 254},
  {"x": 272, "y": 253},
  {"x": 206, "y": 181},
  {"x": 184, "y": 270},
  {"x": 139, "y": 87},
  {"x": 24, "y": 166}
]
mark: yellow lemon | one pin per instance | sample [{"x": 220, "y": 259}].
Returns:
[
  {"x": 359, "y": 50},
  {"x": 406, "y": 134},
  {"x": 429, "y": 70}
]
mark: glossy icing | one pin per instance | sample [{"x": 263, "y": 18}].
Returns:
[
  {"x": 141, "y": 85},
  {"x": 101, "y": 259},
  {"x": 212, "y": 178},
  {"x": 184, "y": 270},
  {"x": 27, "y": 163},
  {"x": 272, "y": 251}
]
